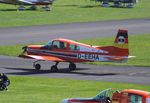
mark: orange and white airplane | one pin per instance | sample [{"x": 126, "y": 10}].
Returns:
[{"x": 64, "y": 50}]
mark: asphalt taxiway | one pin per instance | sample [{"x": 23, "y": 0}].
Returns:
[
  {"x": 124, "y": 74},
  {"x": 28, "y": 35},
  {"x": 32, "y": 34}
]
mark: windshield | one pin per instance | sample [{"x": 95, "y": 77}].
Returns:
[
  {"x": 104, "y": 95},
  {"x": 48, "y": 45}
]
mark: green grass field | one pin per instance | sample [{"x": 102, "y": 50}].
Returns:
[
  {"x": 50, "y": 90},
  {"x": 138, "y": 46},
  {"x": 69, "y": 11}
]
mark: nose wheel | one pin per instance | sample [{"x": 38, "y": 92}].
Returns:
[{"x": 36, "y": 65}]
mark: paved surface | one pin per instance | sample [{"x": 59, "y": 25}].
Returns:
[
  {"x": 28, "y": 35},
  {"x": 21, "y": 35},
  {"x": 17, "y": 66}
]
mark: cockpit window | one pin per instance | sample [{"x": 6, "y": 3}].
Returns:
[
  {"x": 135, "y": 98},
  {"x": 104, "y": 95},
  {"x": 74, "y": 47},
  {"x": 56, "y": 44},
  {"x": 48, "y": 45},
  {"x": 59, "y": 45}
]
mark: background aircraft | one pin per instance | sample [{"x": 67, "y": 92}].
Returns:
[
  {"x": 64, "y": 50},
  {"x": 111, "y": 96},
  {"x": 33, "y": 3},
  {"x": 118, "y": 3}
]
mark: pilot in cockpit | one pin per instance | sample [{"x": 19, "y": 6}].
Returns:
[{"x": 62, "y": 45}]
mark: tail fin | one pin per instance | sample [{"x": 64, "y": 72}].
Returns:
[
  {"x": 121, "y": 40},
  {"x": 121, "y": 43}
]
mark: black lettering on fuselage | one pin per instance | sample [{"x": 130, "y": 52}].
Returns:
[{"x": 88, "y": 56}]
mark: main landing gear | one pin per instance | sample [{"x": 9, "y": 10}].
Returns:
[
  {"x": 72, "y": 66},
  {"x": 53, "y": 68}
]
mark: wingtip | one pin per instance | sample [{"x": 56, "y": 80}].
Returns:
[{"x": 131, "y": 56}]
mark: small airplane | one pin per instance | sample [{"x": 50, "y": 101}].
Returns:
[
  {"x": 64, "y": 50},
  {"x": 114, "y": 96},
  {"x": 33, "y": 3}
]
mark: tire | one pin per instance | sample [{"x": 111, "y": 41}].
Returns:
[
  {"x": 37, "y": 66},
  {"x": 72, "y": 66},
  {"x": 54, "y": 68},
  {"x": 3, "y": 87}
]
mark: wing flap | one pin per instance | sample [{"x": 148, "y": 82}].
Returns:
[{"x": 41, "y": 57}]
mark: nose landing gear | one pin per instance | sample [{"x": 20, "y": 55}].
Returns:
[{"x": 36, "y": 65}]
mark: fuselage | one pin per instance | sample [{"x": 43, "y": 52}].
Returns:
[{"x": 72, "y": 51}]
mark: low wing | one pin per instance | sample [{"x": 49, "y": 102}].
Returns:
[
  {"x": 25, "y": 1},
  {"x": 49, "y": 58}
]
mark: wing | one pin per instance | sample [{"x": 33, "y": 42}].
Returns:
[
  {"x": 25, "y": 1},
  {"x": 49, "y": 58}
]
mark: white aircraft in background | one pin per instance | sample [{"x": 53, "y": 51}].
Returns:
[{"x": 33, "y": 3}]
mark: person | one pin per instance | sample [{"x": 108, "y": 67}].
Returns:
[
  {"x": 62, "y": 45},
  {"x": 4, "y": 81}
]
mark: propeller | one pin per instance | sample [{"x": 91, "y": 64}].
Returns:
[{"x": 24, "y": 49}]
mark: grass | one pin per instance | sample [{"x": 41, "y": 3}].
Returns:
[
  {"x": 49, "y": 90},
  {"x": 11, "y": 50},
  {"x": 138, "y": 46},
  {"x": 69, "y": 11}
]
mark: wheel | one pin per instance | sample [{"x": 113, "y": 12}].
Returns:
[
  {"x": 37, "y": 66},
  {"x": 2, "y": 88},
  {"x": 72, "y": 66},
  {"x": 21, "y": 8},
  {"x": 54, "y": 68}
]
